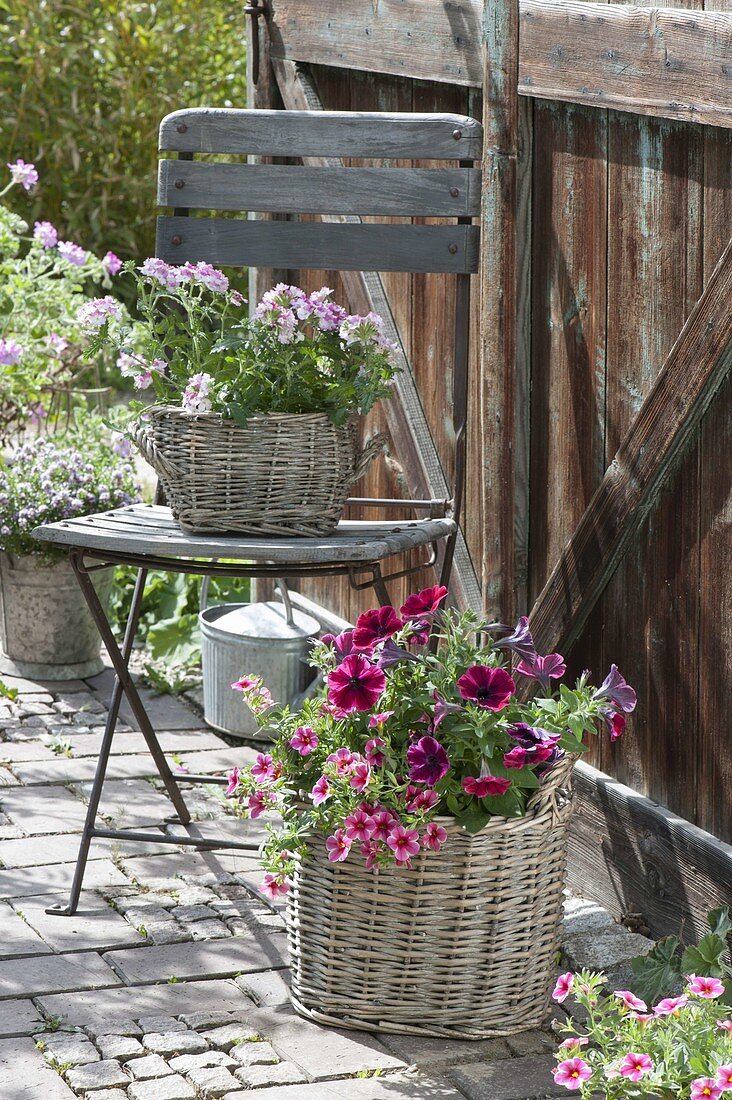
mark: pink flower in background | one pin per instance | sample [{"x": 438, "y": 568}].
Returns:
[
  {"x": 574, "y": 1041},
  {"x": 304, "y": 740},
  {"x": 423, "y": 603},
  {"x": 233, "y": 782},
  {"x": 360, "y": 777},
  {"x": 57, "y": 344},
  {"x": 72, "y": 253},
  {"x": 630, "y": 1000},
  {"x": 725, "y": 1025},
  {"x": 709, "y": 988},
  {"x": 259, "y": 802},
  {"x": 403, "y": 842},
  {"x": 724, "y": 1078},
  {"x": 434, "y": 836},
  {"x": 428, "y": 761},
  {"x": 705, "y": 1088},
  {"x": 111, "y": 263},
  {"x": 208, "y": 276},
  {"x": 356, "y": 684},
  {"x": 263, "y": 769},
  {"x": 615, "y": 688},
  {"x": 370, "y": 851},
  {"x": 488, "y": 687},
  {"x": 563, "y": 987},
  {"x": 359, "y": 825},
  {"x": 236, "y": 298},
  {"x": 670, "y": 1005},
  {"x": 167, "y": 275},
  {"x": 24, "y": 174},
  {"x": 343, "y": 760},
  {"x": 572, "y": 1073},
  {"x": 378, "y": 720},
  {"x": 10, "y": 352},
  {"x": 483, "y": 785},
  {"x": 46, "y": 234},
  {"x": 339, "y": 846},
  {"x": 635, "y": 1066},
  {"x": 543, "y": 669},
  {"x": 274, "y": 886},
  {"x": 374, "y": 755},
  {"x": 321, "y": 791},
  {"x": 374, "y": 626}
]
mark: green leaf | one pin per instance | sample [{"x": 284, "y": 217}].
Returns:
[
  {"x": 719, "y": 921},
  {"x": 473, "y": 819},
  {"x": 706, "y": 957},
  {"x": 658, "y": 973},
  {"x": 175, "y": 639}
]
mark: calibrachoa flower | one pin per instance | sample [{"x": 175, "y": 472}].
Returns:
[
  {"x": 259, "y": 802},
  {"x": 373, "y": 752},
  {"x": 46, "y": 234},
  {"x": 403, "y": 842},
  {"x": 574, "y": 1041},
  {"x": 630, "y": 1000},
  {"x": 321, "y": 791},
  {"x": 359, "y": 825},
  {"x": 356, "y": 684},
  {"x": 709, "y": 988},
  {"x": 338, "y": 845},
  {"x": 264, "y": 768},
  {"x": 705, "y": 1088},
  {"x": 274, "y": 886},
  {"x": 360, "y": 777},
  {"x": 233, "y": 781},
  {"x": 428, "y": 761},
  {"x": 24, "y": 174},
  {"x": 563, "y": 987},
  {"x": 572, "y": 1073},
  {"x": 635, "y": 1066},
  {"x": 434, "y": 836},
  {"x": 724, "y": 1078},
  {"x": 304, "y": 740},
  {"x": 488, "y": 687},
  {"x": 670, "y": 1005}
]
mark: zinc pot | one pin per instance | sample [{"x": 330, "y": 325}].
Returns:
[{"x": 46, "y": 629}]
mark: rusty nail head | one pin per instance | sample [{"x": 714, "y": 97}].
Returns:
[
  {"x": 457, "y": 134},
  {"x": 181, "y": 128},
  {"x": 179, "y": 184},
  {"x": 452, "y": 249},
  {"x": 176, "y": 240},
  {"x": 454, "y": 191}
]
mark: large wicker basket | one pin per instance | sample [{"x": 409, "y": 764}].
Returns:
[
  {"x": 463, "y": 945},
  {"x": 280, "y": 475}
]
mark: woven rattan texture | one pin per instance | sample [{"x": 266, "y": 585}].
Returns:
[
  {"x": 463, "y": 945},
  {"x": 280, "y": 475}
]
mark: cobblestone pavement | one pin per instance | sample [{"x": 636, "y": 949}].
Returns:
[{"x": 171, "y": 982}]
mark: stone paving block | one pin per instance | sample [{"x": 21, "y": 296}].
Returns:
[
  {"x": 94, "y": 925},
  {"x": 226, "y": 1036},
  {"x": 109, "y": 1094},
  {"x": 268, "y": 988},
  {"x": 421, "y": 1050},
  {"x": 145, "y": 1069},
  {"x": 26, "y": 881},
  {"x": 19, "y": 1018},
  {"x": 57, "y": 812},
  {"x": 194, "y": 960},
  {"x": 531, "y": 1042},
  {"x": 158, "y": 1024},
  {"x": 25, "y": 1074},
  {"x": 55, "y": 974},
  {"x": 165, "y": 932},
  {"x": 517, "y": 1079},
  {"x": 192, "y": 913},
  {"x": 130, "y": 744},
  {"x": 108, "y": 1006},
  {"x": 98, "y": 1075},
  {"x": 169, "y": 1088},
  {"x": 391, "y": 1087},
  {"x": 122, "y": 1029},
  {"x": 187, "y": 1062},
  {"x": 61, "y": 1048},
  {"x": 239, "y": 926},
  {"x": 17, "y": 937},
  {"x": 282, "y": 1073},
  {"x": 139, "y": 910},
  {"x": 254, "y": 1054},
  {"x": 25, "y": 750},
  {"x": 194, "y": 895},
  {"x": 207, "y": 930},
  {"x": 174, "y": 1042},
  {"x": 200, "y": 1020},
  {"x": 120, "y": 1047},
  {"x": 213, "y": 1081},
  {"x": 165, "y": 711}
]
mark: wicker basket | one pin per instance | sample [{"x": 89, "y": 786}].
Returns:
[
  {"x": 280, "y": 475},
  {"x": 461, "y": 946}
]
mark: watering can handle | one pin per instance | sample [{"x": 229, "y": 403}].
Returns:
[{"x": 282, "y": 588}]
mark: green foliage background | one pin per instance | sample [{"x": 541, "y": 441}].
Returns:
[{"x": 83, "y": 87}]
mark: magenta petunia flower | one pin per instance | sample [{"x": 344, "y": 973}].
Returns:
[
  {"x": 635, "y": 1066},
  {"x": 428, "y": 761},
  {"x": 670, "y": 1005},
  {"x": 375, "y": 626},
  {"x": 46, "y": 234},
  {"x": 356, "y": 684},
  {"x": 321, "y": 791},
  {"x": 530, "y": 736},
  {"x": 615, "y": 688},
  {"x": 563, "y": 987},
  {"x": 434, "y": 836},
  {"x": 423, "y": 603},
  {"x": 341, "y": 643},
  {"x": 403, "y": 842},
  {"x": 264, "y": 768},
  {"x": 520, "y": 641},
  {"x": 543, "y": 669},
  {"x": 488, "y": 687},
  {"x": 483, "y": 785},
  {"x": 233, "y": 781},
  {"x": 339, "y": 846},
  {"x": 708, "y": 988},
  {"x": 630, "y": 1000},
  {"x": 359, "y": 825},
  {"x": 519, "y": 757},
  {"x": 304, "y": 740},
  {"x": 572, "y": 1073},
  {"x": 705, "y": 1088},
  {"x": 274, "y": 886}
]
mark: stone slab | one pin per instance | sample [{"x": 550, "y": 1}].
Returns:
[
  {"x": 168, "y": 1088},
  {"x": 94, "y": 926},
  {"x": 391, "y": 1087},
  {"x": 281, "y": 1073},
  {"x": 97, "y": 1075},
  {"x": 16, "y": 937},
  {"x": 602, "y": 949},
  {"x": 55, "y": 974},
  {"x": 124, "y": 744},
  {"x": 518, "y": 1079},
  {"x": 194, "y": 960},
  {"x": 132, "y": 803},
  {"x": 33, "y": 851},
  {"x": 26, "y": 1075},
  {"x": 19, "y": 1018},
  {"x": 267, "y": 988},
  {"x": 57, "y": 812},
  {"x": 106, "y": 1006},
  {"x": 25, "y": 881},
  {"x": 165, "y": 711},
  {"x": 171, "y": 864},
  {"x": 425, "y": 1051},
  {"x": 25, "y": 750}
]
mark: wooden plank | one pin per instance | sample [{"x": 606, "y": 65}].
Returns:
[
  {"x": 406, "y": 192},
  {"x": 232, "y": 242},
  {"x": 498, "y": 310},
  {"x": 634, "y": 856},
  {"x": 666, "y": 423},
  {"x": 652, "y": 61},
  {"x": 405, "y": 416},
  {"x": 321, "y": 134},
  {"x": 425, "y": 41}
]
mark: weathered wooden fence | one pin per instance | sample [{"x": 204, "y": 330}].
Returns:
[{"x": 599, "y": 454}]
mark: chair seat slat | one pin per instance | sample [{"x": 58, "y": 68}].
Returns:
[
  {"x": 270, "y": 188},
  {"x": 322, "y": 133},
  {"x": 228, "y": 242}
]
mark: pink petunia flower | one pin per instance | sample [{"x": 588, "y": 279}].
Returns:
[
  {"x": 46, "y": 234},
  {"x": 635, "y": 1066},
  {"x": 488, "y": 687},
  {"x": 360, "y": 777},
  {"x": 572, "y": 1073},
  {"x": 434, "y": 836},
  {"x": 725, "y": 1025},
  {"x": 724, "y": 1078},
  {"x": 233, "y": 781},
  {"x": 543, "y": 669},
  {"x": 356, "y": 684},
  {"x": 264, "y": 769},
  {"x": 321, "y": 791},
  {"x": 630, "y": 1000},
  {"x": 423, "y": 603},
  {"x": 374, "y": 626},
  {"x": 708, "y": 988},
  {"x": 403, "y": 842},
  {"x": 481, "y": 786},
  {"x": 705, "y": 1088},
  {"x": 339, "y": 846},
  {"x": 642, "y": 1017},
  {"x": 359, "y": 825},
  {"x": 670, "y": 1005},
  {"x": 374, "y": 755},
  {"x": 24, "y": 174},
  {"x": 563, "y": 987},
  {"x": 274, "y": 886},
  {"x": 304, "y": 740},
  {"x": 428, "y": 761}
]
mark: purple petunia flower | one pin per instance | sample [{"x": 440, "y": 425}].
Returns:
[
  {"x": 615, "y": 688},
  {"x": 428, "y": 761},
  {"x": 543, "y": 669},
  {"x": 442, "y": 709},
  {"x": 530, "y": 736},
  {"x": 392, "y": 654},
  {"x": 520, "y": 641}
]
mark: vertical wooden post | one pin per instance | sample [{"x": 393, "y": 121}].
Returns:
[{"x": 498, "y": 303}]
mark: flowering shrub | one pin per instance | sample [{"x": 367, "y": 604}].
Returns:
[
  {"x": 299, "y": 353},
  {"x": 407, "y": 736},
  {"x": 680, "y": 1047},
  {"x": 47, "y": 480},
  {"x": 42, "y": 299}
]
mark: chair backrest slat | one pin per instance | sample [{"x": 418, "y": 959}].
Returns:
[
  {"x": 389, "y": 192},
  {"x": 322, "y": 133},
  {"x": 234, "y": 242}
]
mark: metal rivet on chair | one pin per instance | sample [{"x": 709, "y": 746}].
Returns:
[
  {"x": 179, "y": 185},
  {"x": 179, "y": 240},
  {"x": 454, "y": 191},
  {"x": 457, "y": 134},
  {"x": 452, "y": 249},
  {"x": 182, "y": 128}
]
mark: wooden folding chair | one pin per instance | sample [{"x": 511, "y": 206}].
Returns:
[{"x": 147, "y": 536}]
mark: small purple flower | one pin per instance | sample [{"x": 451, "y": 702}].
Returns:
[
  {"x": 531, "y": 736},
  {"x": 543, "y": 669},
  {"x": 24, "y": 174},
  {"x": 428, "y": 761},
  {"x": 442, "y": 709},
  {"x": 557, "y": 754},
  {"x": 520, "y": 641},
  {"x": 10, "y": 352},
  {"x": 94, "y": 313},
  {"x": 196, "y": 394},
  {"x": 111, "y": 263},
  {"x": 207, "y": 275},
  {"x": 392, "y": 654},
  {"x": 615, "y": 688},
  {"x": 121, "y": 445},
  {"x": 72, "y": 253},
  {"x": 166, "y": 274},
  {"x": 46, "y": 234}
]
